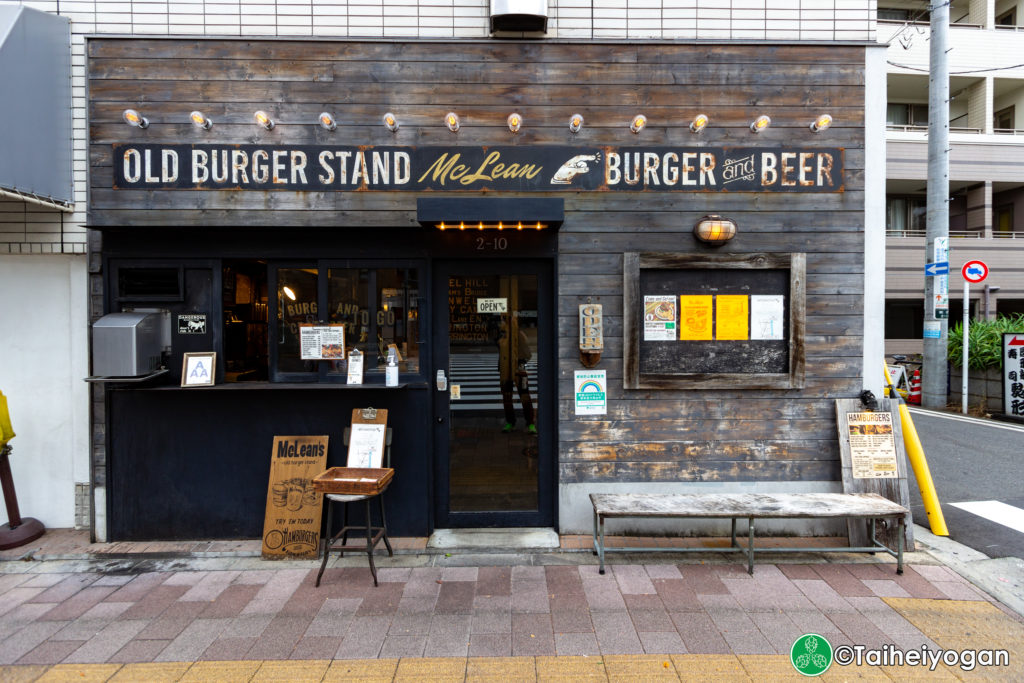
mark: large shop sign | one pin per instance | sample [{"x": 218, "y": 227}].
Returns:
[{"x": 516, "y": 169}]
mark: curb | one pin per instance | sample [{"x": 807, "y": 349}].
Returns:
[{"x": 1002, "y": 578}]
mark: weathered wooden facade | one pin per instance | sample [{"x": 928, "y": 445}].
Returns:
[{"x": 186, "y": 463}]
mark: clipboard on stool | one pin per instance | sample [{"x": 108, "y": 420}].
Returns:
[{"x": 364, "y": 478}]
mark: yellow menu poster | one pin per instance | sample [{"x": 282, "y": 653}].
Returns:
[
  {"x": 732, "y": 316},
  {"x": 695, "y": 317}
]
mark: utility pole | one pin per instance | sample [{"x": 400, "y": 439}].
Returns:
[{"x": 936, "y": 288}]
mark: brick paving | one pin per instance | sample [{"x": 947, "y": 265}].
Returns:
[
  {"x": 220, "y": 613},
  {"x": 634, "y": 609}
]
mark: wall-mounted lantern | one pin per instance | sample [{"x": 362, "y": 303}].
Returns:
[
  {"x": 591, "y": 334},
  {"x": 699, "y": 123},
  {"x": 575, "y": 123},
  {"x": 639, "y": 123},
  {"x": 451, "y": 120},
  {"x": 714, "y": 230},
  {"x": 391, "y": 122}
]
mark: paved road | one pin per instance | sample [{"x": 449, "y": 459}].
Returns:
[{"x": 973, "y": 461}]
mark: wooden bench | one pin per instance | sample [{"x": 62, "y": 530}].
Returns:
[{"x": 868, "y": 506}]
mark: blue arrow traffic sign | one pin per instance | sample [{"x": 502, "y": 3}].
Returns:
[{"x": 937, "y": 268}]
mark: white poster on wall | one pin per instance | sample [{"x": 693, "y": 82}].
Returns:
[
  {"x": 767, "y": 316},
  {"x": 591, "y": 392},
  {"x": 659, "y": 318}
]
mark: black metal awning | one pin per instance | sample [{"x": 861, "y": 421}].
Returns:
[{"x": 491, "y": 211}]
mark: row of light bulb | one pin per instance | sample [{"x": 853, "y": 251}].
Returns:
[
  {"x": 500, "y": 226},
  {"x": 451, "y": 120}
]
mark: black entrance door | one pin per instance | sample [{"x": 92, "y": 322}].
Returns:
[{"x": 494, "y": 393}]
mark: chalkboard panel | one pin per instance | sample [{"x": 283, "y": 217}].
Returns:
[
  {"x": 715, "y": 355},
  {"x": 711, "y": 359}
]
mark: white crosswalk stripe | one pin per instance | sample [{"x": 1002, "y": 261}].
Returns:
[
  {"x": 995, "y": 511},
  {"x": 479, "y": 382}
]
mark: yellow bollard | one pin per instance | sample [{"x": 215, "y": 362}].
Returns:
[
  {"x": 915, "y": 453},
  {"x": 6, "y": 430}
]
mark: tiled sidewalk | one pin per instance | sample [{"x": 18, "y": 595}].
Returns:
[{"x": 278, "y": 614}]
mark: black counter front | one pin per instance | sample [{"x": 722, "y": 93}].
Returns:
[{"x": 194, "y": 463}]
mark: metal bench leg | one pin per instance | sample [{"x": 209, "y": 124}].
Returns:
[
  {"x": 600, "y": 551},
  {"x": 750, "y": 546},
  {"x": 734, "y": 544},
  {"x": 594, "y": 544},
  {"x": 900, "y": 529}
]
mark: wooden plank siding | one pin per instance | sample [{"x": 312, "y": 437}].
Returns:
[{"x": 647, "y": 435}]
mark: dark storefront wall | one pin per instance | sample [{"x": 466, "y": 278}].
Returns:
[
  {"x": 675, "y": 435},
  {"x": 201, "y": 471}
]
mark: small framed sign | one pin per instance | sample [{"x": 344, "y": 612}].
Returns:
[{"x": 199, "y": 369}]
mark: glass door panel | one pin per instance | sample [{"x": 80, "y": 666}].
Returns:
[{"x": 497, "y": 433}]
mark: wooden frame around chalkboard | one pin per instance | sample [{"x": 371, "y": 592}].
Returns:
[{"x": 634, "y": 263}]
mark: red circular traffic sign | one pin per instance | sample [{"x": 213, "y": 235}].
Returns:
[{"x": 974, "y": 271}]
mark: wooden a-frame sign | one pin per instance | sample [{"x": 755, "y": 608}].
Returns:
[
  {"x": 291, "y": 527},
  {"x": 893, "y": 486}
]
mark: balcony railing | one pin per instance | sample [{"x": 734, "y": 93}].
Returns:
[
  {"x": 964, "y": 235},
  {"x": 901, "y": 128},
  {"x": 925, "y": 24}
]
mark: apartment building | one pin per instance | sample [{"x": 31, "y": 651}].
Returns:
[
  {"x": 986, "y": 169},
  {"x": 688, "y": 111}
]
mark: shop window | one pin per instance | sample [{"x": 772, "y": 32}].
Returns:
[
  {"x": 297, "y": 299},
  {"x": 378, "y": 308},
  {"x": 245, "y": 321},
  {"x": 904, "y": 318}
]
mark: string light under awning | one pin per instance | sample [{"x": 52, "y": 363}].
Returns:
[{"x": 490, "y": 213}]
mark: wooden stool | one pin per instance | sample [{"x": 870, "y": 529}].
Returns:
[{"x": 374, "y": 534}]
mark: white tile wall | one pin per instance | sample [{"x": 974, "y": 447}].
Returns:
[{"x": 24, "y": 229}]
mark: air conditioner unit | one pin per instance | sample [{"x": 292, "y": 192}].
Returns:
[
  {"x": 129, "y": 344},
  {"x": 526, "y": 16}
]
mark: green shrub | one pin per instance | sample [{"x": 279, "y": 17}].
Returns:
[{"x": 985, "y": 338}]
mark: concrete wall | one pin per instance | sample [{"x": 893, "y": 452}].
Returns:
[
  {"x": 984, "y": 389},
  {"x": 43, "y": 358}
]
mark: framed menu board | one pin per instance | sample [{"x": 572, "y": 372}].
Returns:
[{"x": 698, "y": 321}]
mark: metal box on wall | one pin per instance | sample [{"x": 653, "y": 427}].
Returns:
[
  {"x": 129, "y": 344},
  {"x": 519, "y": 15}
]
